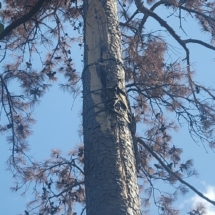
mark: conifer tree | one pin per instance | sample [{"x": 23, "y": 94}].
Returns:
[{"x": 122, "y": 61}]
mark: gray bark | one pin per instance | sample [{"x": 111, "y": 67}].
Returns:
[{"x": 110, "y": 170}]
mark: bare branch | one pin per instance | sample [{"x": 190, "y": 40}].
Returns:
[
  {"x": 173, "y": 173},
  {"x": 164, "y": 24},
  {"x": 199, "y": 42}
]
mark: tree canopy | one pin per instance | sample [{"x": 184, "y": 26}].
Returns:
[{"x": 36, "y": 42}]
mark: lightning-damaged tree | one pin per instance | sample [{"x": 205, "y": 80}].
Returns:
[
  {"x": 110, "y": 174},
  {"x": 121, "y": 61}
]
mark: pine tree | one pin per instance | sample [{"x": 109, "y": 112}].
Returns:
[
  {"x": 110, "y": 172},
  {"x": 121, "y": 62}
]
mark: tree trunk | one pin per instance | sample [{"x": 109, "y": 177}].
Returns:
[{"x": 110, "y": 170}]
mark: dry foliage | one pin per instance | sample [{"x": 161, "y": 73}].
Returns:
[{"x": 157, "y": 86}]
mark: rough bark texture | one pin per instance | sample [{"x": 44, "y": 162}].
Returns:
[{"x": 110, "y": 173}]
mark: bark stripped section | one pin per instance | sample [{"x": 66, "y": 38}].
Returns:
[{"x": 110, "y": 173}]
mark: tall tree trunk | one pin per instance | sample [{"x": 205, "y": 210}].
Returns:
[{"x": 110, "y": 170}]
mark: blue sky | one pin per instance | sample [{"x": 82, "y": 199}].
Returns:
[{"x": 57, "y": 127}]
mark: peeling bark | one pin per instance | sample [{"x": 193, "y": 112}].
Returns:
[{"x": 110, "y": 170}]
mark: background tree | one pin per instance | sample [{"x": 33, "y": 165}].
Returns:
[{"x": 157, "y": 85}]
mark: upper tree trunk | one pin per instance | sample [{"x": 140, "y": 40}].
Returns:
[{"x": 110, "y": 173}]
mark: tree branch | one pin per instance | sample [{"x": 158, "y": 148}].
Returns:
[
  {"x": 22, "y": 19},
  {"x": 171, "y": 172},
  {"x": 67, "y": 189},
  {"x": 199, "y": 42},
  {"x": 164, "y": 24},
  {"x": 197, "y": 12},
  {"x": 145, "y": 17}
]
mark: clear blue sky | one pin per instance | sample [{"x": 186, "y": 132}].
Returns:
[{"x": 57, "y": 127}]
